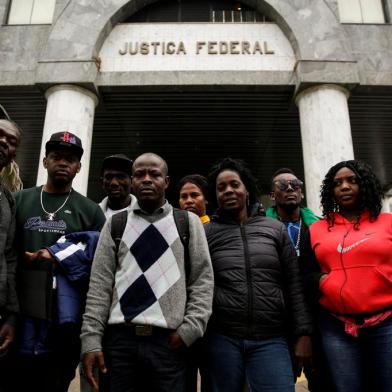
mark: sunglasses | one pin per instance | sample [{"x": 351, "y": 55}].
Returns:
[{"x": 283, "y": 185}]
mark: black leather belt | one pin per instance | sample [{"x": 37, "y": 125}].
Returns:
[{"x": 147, "y": 330}]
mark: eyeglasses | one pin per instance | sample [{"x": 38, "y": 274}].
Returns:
[{"x": 283, "y": 185}]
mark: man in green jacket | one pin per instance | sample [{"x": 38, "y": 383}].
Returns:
[{"x": 287, "y": 194}]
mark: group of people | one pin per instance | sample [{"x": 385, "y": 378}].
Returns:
[{"x": 150, "y": 294}]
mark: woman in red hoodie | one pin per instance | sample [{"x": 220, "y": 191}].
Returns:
[{"x": 350, "y": 266}]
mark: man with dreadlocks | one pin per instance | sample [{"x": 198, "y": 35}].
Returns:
[
  {"x": 11, "y": 177},
  {"x": 349, "y": 266},
  {"x": 10, "y": 135},
  {"x": 10, "y": 172}
]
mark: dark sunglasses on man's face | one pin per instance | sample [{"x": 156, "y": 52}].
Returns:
[{"x": 283, "y": 185}]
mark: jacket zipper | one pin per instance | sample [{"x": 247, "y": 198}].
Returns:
[{"x": 248, "y": 279}]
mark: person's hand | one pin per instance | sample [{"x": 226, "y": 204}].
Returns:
[
  {"x": 322, "y": 277},
  {"x": 7, "y": 336},
  {"x": 175, "y": 341},
  {"x": 91, "y": 360},
  {"x": 302, "y": 354},
  {"x": 42, "y": 254}
]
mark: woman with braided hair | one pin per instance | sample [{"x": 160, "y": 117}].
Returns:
[{"x": 349, "y": 267}]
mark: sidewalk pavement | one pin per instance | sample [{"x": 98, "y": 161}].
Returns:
[{"x": 301, "y": 386}]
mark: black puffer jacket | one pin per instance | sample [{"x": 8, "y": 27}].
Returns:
[{"x": 258, "y": 288}]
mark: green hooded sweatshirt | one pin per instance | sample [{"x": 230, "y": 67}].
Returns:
[{"x": 307, "y": 216}]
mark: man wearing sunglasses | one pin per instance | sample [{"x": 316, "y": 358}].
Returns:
[{"x": 287, "y": 194}]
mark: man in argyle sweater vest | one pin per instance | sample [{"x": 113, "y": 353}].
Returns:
[{"x": 144, "y": 309}]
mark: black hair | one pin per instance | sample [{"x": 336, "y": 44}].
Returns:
[
  {"x": 282, "y": 170},
  {"x": 240, "y": 167},
  {"x": 371, "y": 193},
  {"x": 196, "y": 179}
]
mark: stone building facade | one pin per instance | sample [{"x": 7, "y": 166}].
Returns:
[{"x": 294, "y": 87}]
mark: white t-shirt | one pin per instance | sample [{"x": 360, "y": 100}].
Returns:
[{"x": 109, "y": 212}]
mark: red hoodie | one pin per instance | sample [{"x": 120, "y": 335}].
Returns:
[{"x": 358, "y": 264}]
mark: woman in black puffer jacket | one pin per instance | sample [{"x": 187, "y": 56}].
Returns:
[{"x": 258, "y": 299}]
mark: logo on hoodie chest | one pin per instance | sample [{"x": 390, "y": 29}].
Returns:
[{"x": 340, "y": 249}]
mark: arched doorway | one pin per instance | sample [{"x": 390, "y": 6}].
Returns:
[{"x": 193, "y": 125}]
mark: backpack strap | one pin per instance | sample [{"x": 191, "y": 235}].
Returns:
[
  {"x": 181, "y": 219},
  {"x": 119, "y": 221}
]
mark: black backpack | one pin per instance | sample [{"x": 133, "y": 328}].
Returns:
[{"x": 119, "y": 221}]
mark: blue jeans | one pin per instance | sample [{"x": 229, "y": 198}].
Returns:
[
  {"x": 230, "y": 362},
  {"x": 362, "y": 363}
]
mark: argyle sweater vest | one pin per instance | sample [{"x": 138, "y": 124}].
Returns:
[{"x": 148, "y": 274}]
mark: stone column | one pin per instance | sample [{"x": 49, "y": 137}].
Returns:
[
  {"x": 387, "y": 201},
  {"x": 70, "y": 108},
  {"x": 326, "y": 135}
]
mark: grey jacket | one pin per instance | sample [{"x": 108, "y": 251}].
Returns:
[
  {"x": 8, "y": 298},
  {"x": 186, "y": 305}
]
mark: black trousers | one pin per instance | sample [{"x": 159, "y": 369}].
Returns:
[
  {"x": 143, "y": 363},
  {"x": 319, "y": 378},
  {"x": 41, "y": 373},
  {"x": 194, "y": 360},
  {"x": 49, "y": 372}
]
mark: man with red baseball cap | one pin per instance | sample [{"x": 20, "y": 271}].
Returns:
[
  {"x": 48, "y": 343},
  {"x": 66, "y": 140}
]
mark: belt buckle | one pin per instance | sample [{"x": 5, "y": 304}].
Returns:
[{"x": 143, "y": 330}]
